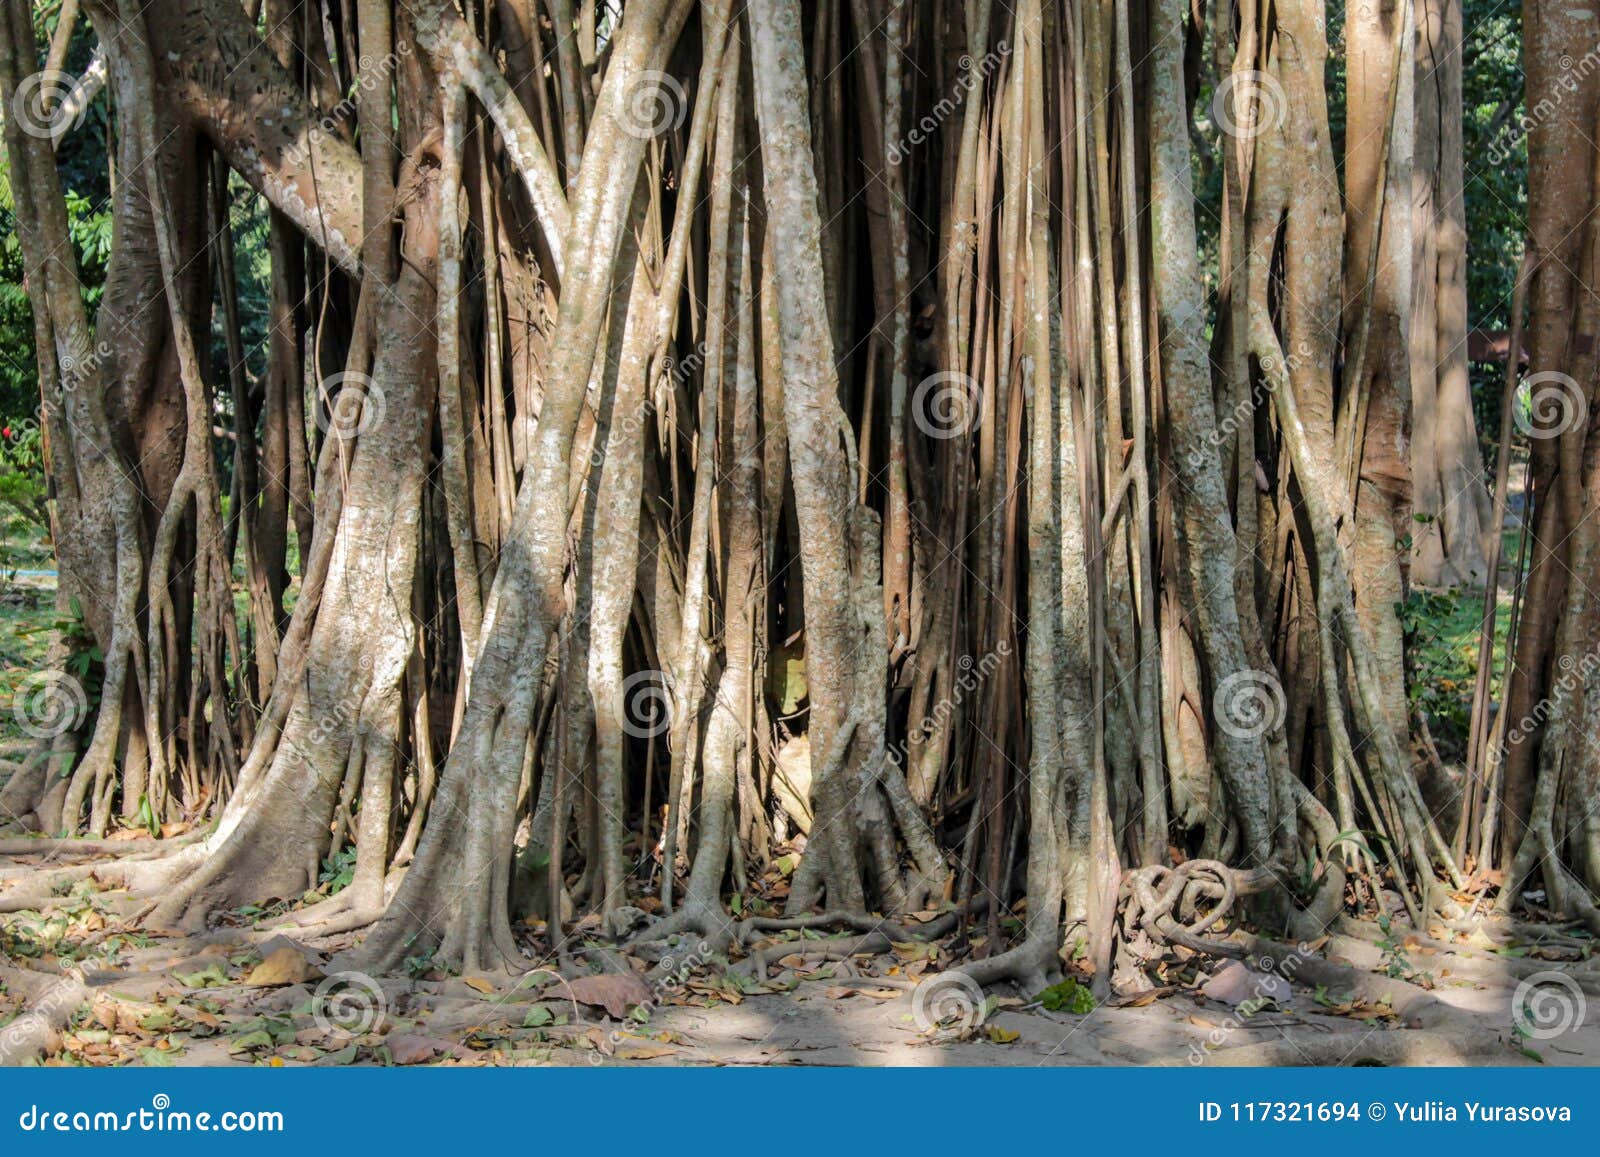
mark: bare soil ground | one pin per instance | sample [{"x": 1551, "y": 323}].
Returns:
[{"x": 84, "y": 985}]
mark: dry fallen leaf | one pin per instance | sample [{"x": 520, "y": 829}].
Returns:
[
  {"x": 612, "y": 991},
  {"x": 839, "y": 993},
  {"x": 478, "y": 984},
  {"x": 410, "y": 1049},
  {"x": 644, "y": 1052},
  {"x": 285, "y": 966}
]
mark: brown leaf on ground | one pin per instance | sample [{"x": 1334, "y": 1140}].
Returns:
[
  {"x": 1235, "y": 983},
  {"x": 410, "y": 1049},
  {"x": 612, "y": 991},
  {"x": 644, "y": 1052},
  {"x": 1140, "y": 999},
  {"x": 285, "y": 966}
]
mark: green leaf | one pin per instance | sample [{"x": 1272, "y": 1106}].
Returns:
[
  {"x": 211, "y": 976},
  {"x": 260, "y": 1039}
]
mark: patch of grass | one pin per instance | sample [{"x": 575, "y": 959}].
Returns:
[
  {"x": 1441, "y": 629},
  {"x": 27, "y": 612}
]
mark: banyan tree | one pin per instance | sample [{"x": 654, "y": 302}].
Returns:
[{"x": 689, "y": 437}]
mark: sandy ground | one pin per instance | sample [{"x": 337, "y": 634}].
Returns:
[{"x": 251, "y": 996}]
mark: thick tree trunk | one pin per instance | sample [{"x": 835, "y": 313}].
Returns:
[{"x": 1451, "y": 525}]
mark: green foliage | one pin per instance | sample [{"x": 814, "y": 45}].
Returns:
[
  {"x": 1496, "y": 164},
  {"x": 338, "y": 870},
  {"x": 1441, "y": 643},
  {"x": 1396, "y": 962},
  {"x": 1068, "y": 996},
  {"x": 85, "y": 656},
  {"x": 1496, "y": 151}
]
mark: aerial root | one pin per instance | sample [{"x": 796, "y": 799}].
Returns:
[
  {"x": 1168, "y": 904},
  {"x": 707, "y": 921},
  {"x": 1459, "y": 1047},
  {"x": 143, "y": 871},
  {"x": 120, "y": 849},
  {"x": 838, "y": 948},
  {"x": 1297, "y": 963},
  {"x": 51, "y": 1001}
]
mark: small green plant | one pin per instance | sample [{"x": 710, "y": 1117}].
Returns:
[
  {"x": 1068, "y": 996},
  {"x": 418, "y": 966},
  {"x": 338, "y": 870},
  {"x": 1519, "y": 1030},
  {"x": 1396, "y": 962}
]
